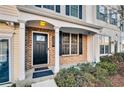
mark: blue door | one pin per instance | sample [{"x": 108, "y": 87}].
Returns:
[{"x": 4, "y": 60}]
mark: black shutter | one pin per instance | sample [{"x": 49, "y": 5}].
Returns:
[
  {"x": 58, "y": 8},
  {"x": 106, "y": 16},
  {"x": 80, "y": 44},
  {"x": 97, "y": 11},
  {"x": 60, "y": 43},
  {"x": 67, "y": 10},
  {"x": 80, "y": 11}
]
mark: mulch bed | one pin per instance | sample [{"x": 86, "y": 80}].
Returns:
[{"x": 118, "y": 79}]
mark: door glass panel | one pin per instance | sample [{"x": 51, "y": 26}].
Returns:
[
  {"x": 40, "y": 38},
  {"x": 4, "y": 62}
]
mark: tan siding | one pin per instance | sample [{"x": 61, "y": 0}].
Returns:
[
  {"x": 8, "y": 10},
  {"x": 14, "y": 48}
]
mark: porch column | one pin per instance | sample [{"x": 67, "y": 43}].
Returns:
[
  {"x": 57, "y": 59},
  {"x": 22, "y": 51},
  {"x": 90, "y": 48},
  {"x": 97, "y": 48}
]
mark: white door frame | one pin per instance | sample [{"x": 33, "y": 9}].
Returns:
[
  {"x": 10, "y": 61},
  {"x": 47, "y": 45}
]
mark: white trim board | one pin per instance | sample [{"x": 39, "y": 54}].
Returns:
[{"x": 10, "y": 60}]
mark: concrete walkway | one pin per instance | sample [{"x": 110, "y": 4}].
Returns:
[{"x": 46, "y": 83}]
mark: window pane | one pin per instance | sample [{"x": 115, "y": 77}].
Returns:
[
  {"x": 58, "y": 8},
  {"x": 106, "y": 49},
  {"x": 105, "y": 43},
  {"x": 3, "y": 51},
  {"x": 102, "y": 9},
  {"x": 74, "y": 10},
  {"x": 51, "y": 7},
  {"x": 101, "y": 13},
  {"x": 74, "y": 43},
  {"x": 101, "y": 49},
  {"x": 113, "y": 18},
  {"x": 65, "y": 43}
]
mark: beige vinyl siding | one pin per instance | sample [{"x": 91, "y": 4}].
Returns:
[
  {"x": 4, "y": 28},
  {"x": 8, "y": 10}
]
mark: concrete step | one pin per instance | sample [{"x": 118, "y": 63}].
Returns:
[{"x": 46, "y": 83}]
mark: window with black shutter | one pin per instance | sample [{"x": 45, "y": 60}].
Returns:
[{"x": 74, "y": 11}]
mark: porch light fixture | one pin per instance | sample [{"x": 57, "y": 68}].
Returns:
[{"x": 42, "y": 23}]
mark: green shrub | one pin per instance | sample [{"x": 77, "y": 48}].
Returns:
[
  {"x": 87, "y": 68},
  {"x": 66, "y": 78},
  {"x": 85, "y": 79},
  {"x": 89, "y": 80},
  {"x": 106, "y": 59},
  {"x": 100, "y": 72},
  {"x": 110, "y": 67},
  {"x": 115, "y": 58},
  {"x": 118, "y": 57}
]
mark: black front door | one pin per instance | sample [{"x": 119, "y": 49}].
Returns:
[
  {"x": 4, "y": 60},
  {"x": 40, "y": 48}
]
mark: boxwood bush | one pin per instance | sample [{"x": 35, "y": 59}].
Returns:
[
  {"x": 110, "y": 67},
  {"x": 115, "y": 58},
  {"x": 81, "y": 76}
]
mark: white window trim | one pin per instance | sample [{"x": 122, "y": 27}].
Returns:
[
  {"x": 10, "y": 56},
  {"x": 70, "y": 46},
  {"x": 104, "y": 46}
]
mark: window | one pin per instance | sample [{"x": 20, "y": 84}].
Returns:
[
  {"x": 74, "y": 43},
  {"x": 105, "y": 45},
  {"x": 113, "y": 18},
  {"x": 70, "y": 44},
  {"x": 3, "y": 50},
  {"x": 65, "y": 43},
  {"x": 101, "y": 13},
  {"x": 122, "y": 28},
  {"x": 50, "y": 7},
  {"x": 74, "y": 10}
]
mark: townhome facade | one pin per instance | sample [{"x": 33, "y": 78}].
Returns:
[{"x": 55, "y": 36}]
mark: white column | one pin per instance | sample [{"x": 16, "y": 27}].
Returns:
[
  {"x": 90, "y": 49},
  {"x": 97, "y": 48},
  {"x": 22, "y": 51},
  {"x": 57, "y": 59}
]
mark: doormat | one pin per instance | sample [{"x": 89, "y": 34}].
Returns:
[
  {"x": 42, "y": 73},
  {"x": 41, "y": 68}
]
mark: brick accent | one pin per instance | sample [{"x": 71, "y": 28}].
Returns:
[
  {"x": 63, "y": 59},
  {"x": 28, "y": 46}
]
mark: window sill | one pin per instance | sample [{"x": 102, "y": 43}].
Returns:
[
  {"x": 71, "y": 55},
  {"x": 105, "y": 54}
]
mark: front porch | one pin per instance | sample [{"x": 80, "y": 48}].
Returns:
[
  {"x": 60, "y": 52},
  {"x": 35, "y": 46}
]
